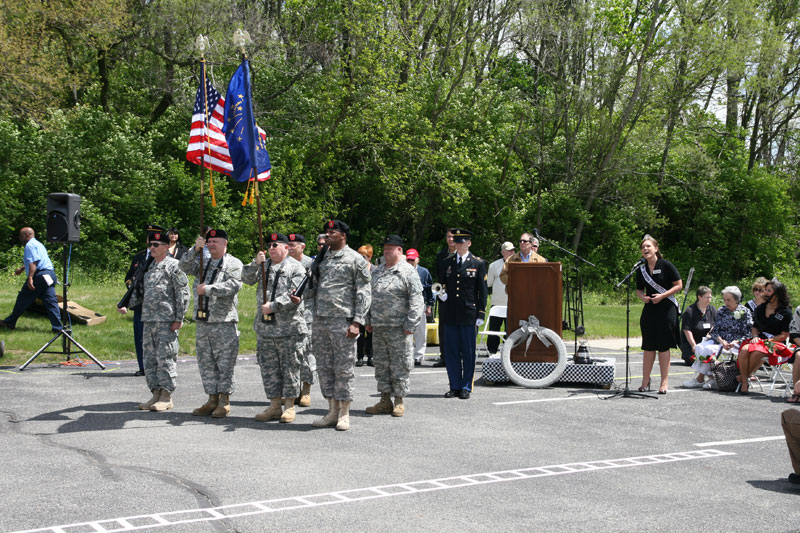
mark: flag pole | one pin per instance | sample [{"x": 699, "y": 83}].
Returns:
[
  {"x": 201, "y": 44},
  {"x": 240, "y": 38}
]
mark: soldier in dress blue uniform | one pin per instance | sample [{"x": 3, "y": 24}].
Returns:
[{"x": 463, "y": 308}]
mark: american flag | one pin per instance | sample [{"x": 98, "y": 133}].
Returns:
[{"x": 207, "y": 143}]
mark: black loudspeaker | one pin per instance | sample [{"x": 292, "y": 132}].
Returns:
[{"x": 63, "y": 217}]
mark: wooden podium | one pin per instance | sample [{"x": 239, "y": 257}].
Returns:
[{"x": 534, "y": 289}]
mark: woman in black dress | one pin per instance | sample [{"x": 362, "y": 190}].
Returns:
[
  {"x": 657, "y": 282},
  {"x": 770, "y": 321}
]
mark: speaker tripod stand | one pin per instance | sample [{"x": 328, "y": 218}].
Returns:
[{"x": 65, "y": 333}]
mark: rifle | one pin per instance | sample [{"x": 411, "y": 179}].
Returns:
[
  {"x": 138, "y": 279},
  {"x": 313, "y": 270}
]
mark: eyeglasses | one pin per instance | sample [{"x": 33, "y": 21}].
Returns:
[
  {"x": 758, "y": 290},
  {"x": 274, "y": 244},
  {"x": 155, "y": 244},
  {"x": 525, "y": 240}
]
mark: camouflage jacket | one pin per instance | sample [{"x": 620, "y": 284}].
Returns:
[
  {"x": 222, "y": 294},
  {"x": 396, "y": 297},
  {"x": 308, "y": 298},
  {"x": 343, "y": 287},
  {"x": 288, "y": 319},
  {"x": 166, "y": 292}
]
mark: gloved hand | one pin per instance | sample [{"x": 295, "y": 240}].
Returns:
[
  {"x": 443, "y": 296},
  {"x": 479, "y": 322}
]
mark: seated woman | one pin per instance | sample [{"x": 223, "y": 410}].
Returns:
[
  {"x": 794, "y": 338},
  {"x": 696, "y": 322},
  {"x": 758, "y": 294},
  {"x": 734, "y": 323},
  {"x": 770, "y": 321}
]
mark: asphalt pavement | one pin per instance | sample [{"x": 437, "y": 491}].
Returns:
[{"x": 78, "y": 456}]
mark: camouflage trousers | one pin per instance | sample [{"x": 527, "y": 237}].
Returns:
[
  {"x": 336, "y": 358},
  {"x": 309, "y": 363},
  {"x": 279, "y": 359},
  {"x": 393, "y": 356},
  {"x": 217, "y": 348},
  {"x": 160, "y": 350}
]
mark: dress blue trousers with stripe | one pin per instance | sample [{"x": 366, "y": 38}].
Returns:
[
  {"x": 459, "y": 356},
  {"x": 138, "y": 333}
]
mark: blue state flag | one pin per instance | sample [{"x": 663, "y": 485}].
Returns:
[{"x": 245, "y": 140}]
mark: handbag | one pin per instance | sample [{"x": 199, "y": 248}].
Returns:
[{"x": 725, "y": 373}]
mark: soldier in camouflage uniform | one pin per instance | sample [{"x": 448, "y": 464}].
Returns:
[
  {"x": 297, "y": 244},
  {"x": 342, "y": 301},
  {"x": 396, "y": 311},
  {"x": 280, "y": 326},
  {"x": 217, "y": 281},
  {"x": 165, "y": 299}
]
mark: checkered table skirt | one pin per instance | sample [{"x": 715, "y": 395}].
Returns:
[{"x": 601, "y": 372}]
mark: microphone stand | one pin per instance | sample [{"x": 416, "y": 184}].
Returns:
[
  {"x": 627, "y": 392},
  {"x": 574, "y": 291}
]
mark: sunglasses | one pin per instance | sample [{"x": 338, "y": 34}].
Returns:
[
  {"x": 274, "y": 244},
  {"x": 155, "y": 244},
  {"x": 525, "y": 240}
]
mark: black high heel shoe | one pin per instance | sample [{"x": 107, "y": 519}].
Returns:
[{"x": 645, "y": 388}]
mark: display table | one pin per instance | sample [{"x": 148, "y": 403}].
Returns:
[{"x": 600, "y": 372}]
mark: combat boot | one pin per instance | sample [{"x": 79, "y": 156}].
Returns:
[
  {"x": 344, "y": 417},
  {"x": 224, "y": 406},
  {"x": 399, "y": 408},
  {"x": 305, "y": 395},
  {"x": 288, "y": 411},
  {"x": 208, "y": 407},
  {"x": 383, "y": 407},
  {"x": 146, "y": 406},
  {"x": 164, "y": 401},
  {"x": 331, "y": 418},
  {"x": 273, "y": 412}
]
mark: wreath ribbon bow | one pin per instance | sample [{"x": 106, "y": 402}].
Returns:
[{"x": 532, "y": 327}]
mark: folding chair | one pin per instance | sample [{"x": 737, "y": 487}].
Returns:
[{"x": 497, "y": 311}]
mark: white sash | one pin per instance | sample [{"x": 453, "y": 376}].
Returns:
[{"x": 658, "y": 288}]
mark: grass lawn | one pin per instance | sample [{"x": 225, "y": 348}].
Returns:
[
  {"x": 113, "y": 339},
  {"x": 603, "y": 321}
]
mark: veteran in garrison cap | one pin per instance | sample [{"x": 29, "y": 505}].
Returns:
[
  {"x": 280, "y": 326},
  {"x": 396, "y": 311},
  {"x": 463, "y": 308},
  {"x": 342, "y": 299},
  {"x": 217, "y": 281},
  {"x": 164, "y": 302},
  {"x": 308, "y": 368}
]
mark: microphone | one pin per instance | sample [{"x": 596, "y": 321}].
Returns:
[
  {"x": 639, "y": 262},
  {"x": 536, "y": 232}
]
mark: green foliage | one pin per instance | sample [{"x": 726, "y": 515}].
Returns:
[{"x": 411, "y": 117}]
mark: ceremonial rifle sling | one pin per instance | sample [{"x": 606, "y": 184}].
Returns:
[{"x": 203, "y": 313}]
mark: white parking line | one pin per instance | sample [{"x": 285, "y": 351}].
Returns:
[
  {"x": 740, "y": 441},
  {"x": 171, "y": 518}
]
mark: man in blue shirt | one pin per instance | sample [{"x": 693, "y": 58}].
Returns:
[{"x": 40, "y": 283}]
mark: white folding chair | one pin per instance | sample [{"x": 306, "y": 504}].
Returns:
[{"x": 497, "y": 311}]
